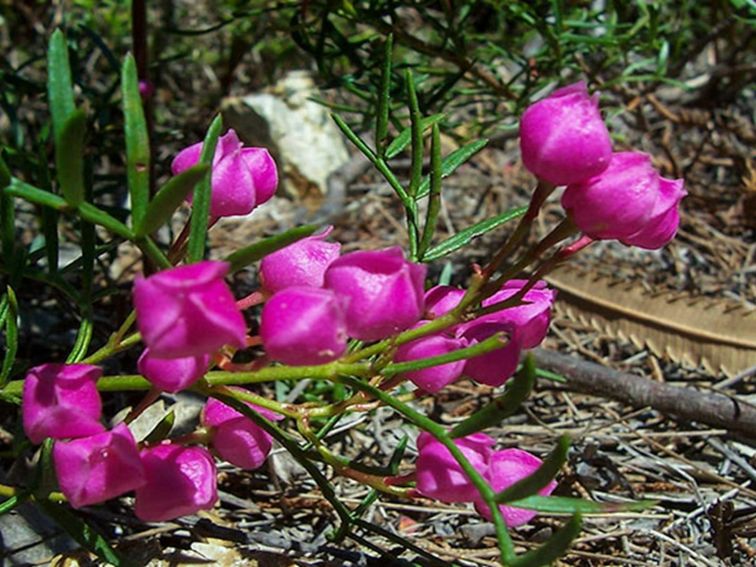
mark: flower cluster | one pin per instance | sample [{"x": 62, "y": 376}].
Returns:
[
  {"x": 609, "y": 195},
  {"x": 315, "y": 300},
  {"x": 440, "y": 476},
  {"x": 320, "y": 299}
]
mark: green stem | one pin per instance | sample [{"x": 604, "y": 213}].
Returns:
[
  {"x": 506, "y": 546},
  {"x": 541, "y": 193}
]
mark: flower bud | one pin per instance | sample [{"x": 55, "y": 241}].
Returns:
[
  {"x": 300, "y": 264},
  {"x": 179, "y": 481},
  {"x": 216, "y": 413},
  {"x": 665, "y": 218},
  {"x": 441, "y": 299},
  {"x": 97, "y": 468},
  {"x": 61, "y": 401},
  {"x": 624, "y": 200},
  {"x": 236, "y": 438},
  {"x": 504, "y": 469},
  {"x": 434, "y": 378},
  {"x": 172, "y": 374},
  {"x": 439, "y": 475},
  {"x": 385, "y": 291},
  {"x": 563, "y": 138},
  {"x": 497, "y": 366},
  {"x": 242, "y": 178},
  {"x": 188, "y": 311},
  {"x": 304, "y": 325},
  {"x": 531, "y": 319}
]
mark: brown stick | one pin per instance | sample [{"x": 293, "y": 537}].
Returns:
[{"x": 683, "y": 403}]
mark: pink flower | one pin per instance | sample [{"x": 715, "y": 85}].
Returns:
[
  {"x": 385, "y": 291},
  {"x": 531, "y": 319},
  {"x": 495, "y": 367},
  {"x": 504, "y": 469},
  {"x": 179, "y": 481},
  {"x": 236, "y": 438},
  {"x": 97, "y": 468},
  {"x": 61, "y": 401},
  {"x": 304, "y": 325},
  {"x": 188, "y": 311},
  {"x": 242, "y": 178},
  {"x": 300, "y": 264},
  {"x": 172, "y": 374},
  {"x": 434, "y": 378},
  {"x": 439, "y": 475},
  {"x": 665, "y": 217},
  {"x": 563, "y": 138},
  {"x": 441, "y": 299},
  {"x": 216, "y": 413},
  {"x": 629, "y": 201}
]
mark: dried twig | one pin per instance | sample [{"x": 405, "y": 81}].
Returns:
[{"x": 685, "y": 404}]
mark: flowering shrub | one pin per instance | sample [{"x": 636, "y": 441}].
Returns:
[{"x": 368, "y": 320}]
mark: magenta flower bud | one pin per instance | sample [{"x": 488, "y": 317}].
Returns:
[
  {"x": 179, "y": 481},
  {"x": 216, "y": 413},
  {"x": 61, "y": 401},
  {"x": 434, "y": 378},
  {"x": 188, "y": 311},
  {"x": 97, "y": 468},
  {"x": 441, "y": 299},
  {"x": 439, "y": 475},
  {"x": 495, "y": 367},
  {"x": 665, "y": 218},
  {"x": 236, "y": 438},
  {"x": 242, "y": 443},
  {"x": 304, "y": 325},
  {"x": 531, "y": 319},
  {"x": 622, "y": 201},
  {"x": 300, "y": 264},
  {"x": 242, "y": 178},
  {"x": 563, "y": 138},
  {"x": 504, "y": 469},
  {"x": 385, "y": 291},
  {"x": 172, "y": 374}
]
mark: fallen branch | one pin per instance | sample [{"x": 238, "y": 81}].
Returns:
[{"x": 683, "y": 403}]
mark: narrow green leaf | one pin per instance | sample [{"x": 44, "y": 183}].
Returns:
[
  {"x": 11, "y": 337},
  {"x": 162, "y": 429},
  {"x": 83, "y": 339},
  {"x": 82, "y": 532},
  {"x": 69, "y": 157},
  {"x": 502, "y": 407},
  {"x": 50, "y": 217},
  {"x": 416, "y": 137},
  {"x": 168, "y": 199},
  {"x": 201, "y": 201},
  {"x": 137, "y": 142},
  {"x": 492, "y": 343},
  {"x": 97, "y": 216},
  {"x": 541, "y": 477},
  {"x": 569, "y": 505},
  {"x": 405, "y": 136},
  {"x": 452, "y": 162},
  {"x": 258, "y": 250},
  {"x": 18, "y": 188},
  {"x": 59, "y": 84},
  {"x": 397, "y": 456},
  {"x": 554, "y": 548},
  {"x": 384, "y": 99},
  {"x": 10, "y": 503},
  {"x": 353, "y": 137},
  {"x": 463, "y": 237},
  {"x": 434, "y": 203}
]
